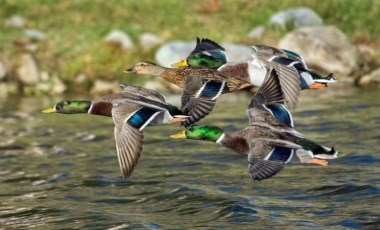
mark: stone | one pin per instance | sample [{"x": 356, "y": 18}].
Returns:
[
  {"x": 15, "y": 21},
  {"x": 80, "y": 79},
  {"x": 28, "y": 72},
  {"x": 3, "y": 70},
  {"x": 325, "y": 49},
  {"x": 237, "y": 52},
  {"x": 371, "y": 80},
  {"x": 58, "y": 86},
  {"x": 256, "y": 32},
  {"x": 104, "y": 87},
  {"x": 149, "y": 41},
  {"x": 35, "y": 34},
  {"x": 120, "y": 38},
  {"x": 173, "y": 52},
  {"x": 157, "y": 85},
  {"x": 3, "y": 90},
  {"x": 295, "y": 18}
]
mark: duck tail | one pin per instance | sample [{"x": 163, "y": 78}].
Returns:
[
  {"x": 318, "y": 150},
  {"x": 328, "y": 79},
  {"x": 174, "y": 111}
]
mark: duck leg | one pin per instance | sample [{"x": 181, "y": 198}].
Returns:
[{"x": 318, "y": 162}]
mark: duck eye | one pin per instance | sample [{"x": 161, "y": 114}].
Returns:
[{"x": 191, "y": 129}]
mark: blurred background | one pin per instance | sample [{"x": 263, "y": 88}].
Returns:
[
  {"x": 77, "y": 46},
  {"x": 61, "y": 172}
]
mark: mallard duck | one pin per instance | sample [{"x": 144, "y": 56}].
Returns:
[
  {"x": 208, "y": 54},
  {"x": 269, "y": 140},
  {"x": 201, "y": 87},
  {"x": 132, "y": 110}
]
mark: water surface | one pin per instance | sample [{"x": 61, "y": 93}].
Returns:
[{"x": 60, "y": 171}]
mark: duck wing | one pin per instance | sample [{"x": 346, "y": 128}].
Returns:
[
  {"x": 268, "y": 103},
  {"x": 289, "y": 80},
  {"x": 268, "y": 157},
  {"x": 199, "y": 98},
  {"x": 143, "y": 92},
  {"x": 129, "y": 133}
]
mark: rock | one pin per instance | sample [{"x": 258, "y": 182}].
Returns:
[
  {"x": 236, "y": 52},
  {"x": 3, "y": 90},
  {"x": 324, "y": 48},
  {"x": 173, "y": 51},
  {"x": 103, "y": 87},
  {"x": 3, "y": 70},
  {"x": 296, "y": 18},
  {"x": 15, "y": 21},
  {"x": 157, "y": 85},
  {"x": 371, "y": 80},
  {"x": 35, "y": 34},
  {"x": 58, "y": 86},
  {"x": 119, "y": 38},
  {"x": 80, "y": 79},
  {"x": 256, "y": 32},
  {"x": 149, "y": 41},
  {"x": 44, "y": 76},
  {"x": 28, "y": 72}
]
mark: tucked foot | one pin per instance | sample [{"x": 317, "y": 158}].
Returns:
[
  {"x": 318, "y": 162},
  {"x": 245, "y": 85},
  {"x": 177, "y": 119},
  {"x": 318, "y": 85}
]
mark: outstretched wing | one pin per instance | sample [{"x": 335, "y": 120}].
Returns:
[
  {"x": 289, "y": 80},
  {"x": 198, "y": 102},
  {"x": 129, "y": 134}
]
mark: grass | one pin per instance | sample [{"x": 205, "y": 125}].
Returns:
[{"x": 75, "y": 29}]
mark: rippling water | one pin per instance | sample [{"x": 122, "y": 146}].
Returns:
[{"x": 59, "y": 171}]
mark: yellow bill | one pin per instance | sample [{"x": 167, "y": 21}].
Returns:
[
  {"x": 181, "y": 135},
  {"x": 49, "y": 110},
  {"x": 182, "y": 63}
]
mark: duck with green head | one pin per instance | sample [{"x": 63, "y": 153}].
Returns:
[
  {"x": 254, "y": 70},
  {"x": 132, "y": 110},
  {"x": 270, "y": 140}
]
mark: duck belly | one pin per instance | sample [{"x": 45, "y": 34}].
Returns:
[{"x": 257, "y": 75}]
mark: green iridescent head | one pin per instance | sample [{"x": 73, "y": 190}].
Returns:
[
  {"x": 196, "y": 132},
  {"x": 205, "y": 61},
  {"x": 69, "y": 107}
]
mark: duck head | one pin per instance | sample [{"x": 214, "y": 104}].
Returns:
[
  {"x": 196, "y": 132},
  {"x": 146, "y": 68},
  {"x": 69, "y": 107}
]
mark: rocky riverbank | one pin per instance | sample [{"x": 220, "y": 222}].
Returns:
[{"x": 31, "y": 69}]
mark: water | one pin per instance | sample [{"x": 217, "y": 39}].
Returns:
[{"x": 60, "y": 171}]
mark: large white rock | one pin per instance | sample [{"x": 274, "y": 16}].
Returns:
[
  {"x": 28, "y": 72},
  {"x": 175, "y": 51},
  {"x": 237, "y": 52},
  {"x": 296, "y": 18},
  {"x": 119, "y": 38},
  {"x": 324, "y": 48},
  {"x": 149, "y": 41}
]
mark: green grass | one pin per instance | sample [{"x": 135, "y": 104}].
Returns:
[{"x": 75, "y": 29}]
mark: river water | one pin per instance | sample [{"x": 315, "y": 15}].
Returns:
[{"x": 61, "y": 172}]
